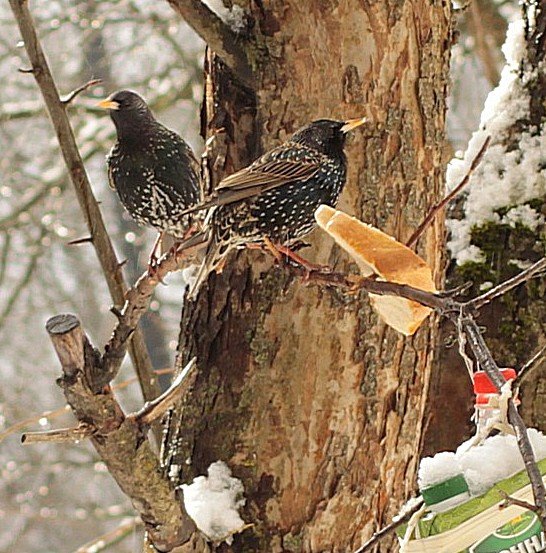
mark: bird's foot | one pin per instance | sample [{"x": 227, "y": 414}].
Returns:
[
  {"x": 284, "y": 255},
  {"x": 153, "y": 269}
]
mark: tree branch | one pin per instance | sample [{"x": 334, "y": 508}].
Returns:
[
  {"x": 534, "y": 270},
  {"x": 389, "y": 528},
  {"x": 119, "y": 440},
  {"x": 59, "y": 435},
  {"x": 84, "y": 193},
  {"x": 222, "y": 40},
  {"x": 487, "y": 363},
  {"x": 156, "y": 408},
  {"x": 429, "y": 218},
  {"x": 532, "y": 364},
  {"x": 137, "y": 301}
]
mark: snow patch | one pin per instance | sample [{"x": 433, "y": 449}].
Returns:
[
  {"x": 482, "y": 466},
  {"x": 213, "y": 503}
]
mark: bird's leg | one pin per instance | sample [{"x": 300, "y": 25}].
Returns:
[
  {"x": 272, "y": 249},
  {"x": 154, "y": 257},
  {"x": 279, "y": 250},
  {"x": 188, "y": 234}
]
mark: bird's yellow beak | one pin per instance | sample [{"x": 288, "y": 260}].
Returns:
[
  {"x": 353, "y": 124},
  {"x": 108, "y": 104}
]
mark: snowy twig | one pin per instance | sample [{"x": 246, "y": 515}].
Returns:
[
  {"x": 71, "y": 95},
  {"x": 155, "y": 409},
  {"x": 527, "y": 369},
  {"x": 389, "y": 528},
  {"x": 534, "y": 270},
  {"x": 119, "y": 440},
  {"x": 106, "y": 540},
  {"x": 222, "y": 40},
  {"x": 84, "y": 193},
  {"x": 59, "y": 435},
  {"x": 440, "y": 205}
]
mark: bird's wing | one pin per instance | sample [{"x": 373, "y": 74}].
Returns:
[
  {"x": 266, "y": 173},
  {"x": 259, "y": 178}
]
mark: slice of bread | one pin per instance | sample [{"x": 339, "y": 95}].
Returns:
[{"x": 378, "y": 253}]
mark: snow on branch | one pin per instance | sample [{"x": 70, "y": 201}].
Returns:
[
  {"x": 88, "y": 203},
  {"x": 219, "y": 35}
]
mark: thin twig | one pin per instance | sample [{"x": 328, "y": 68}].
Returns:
[
  {"x": 389, "y": 528},
  {"x": 71, "y": 95},
  {"x": 52, "y": 415},
  {"x": 509, "y": 500},
  {"x": 437, "y": 207},
  {"x": 106, "y": 540},
  {"x": 534, "y": 270},
  {"x": 155, "y": 409},
  {"x": 84, "y": 192},
  {"x": 527, "y": 369},
  {"x": 59, "y": 435}
]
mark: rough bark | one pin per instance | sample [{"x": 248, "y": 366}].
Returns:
[{"x": 316, "y": 405}]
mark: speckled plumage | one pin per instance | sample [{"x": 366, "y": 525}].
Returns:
[
  {"x": 151, "y": 168},
  {"x": 277, "y": 195}
]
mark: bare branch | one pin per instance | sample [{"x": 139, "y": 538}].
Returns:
[
  {"x": 534, "y": 270},
  {"x": 155, "y": 409},
  {"x": 106, "y": 540},
  {"x": 60, "y": 435},
  {"x": 137, "y": 301},
  {"x": 529, "y": 367},
  {"x": 51, "y": 415},
  {"x": 119, "y": 440},
  {"x": 221, "y": 39},
  {"x": 389, "y": 529},
  {"x": 84, "y": 193},
  {"x": 509, "y": 500},
  {"x": 435, "y": 209},
  {"x": 71, "y": 95}
]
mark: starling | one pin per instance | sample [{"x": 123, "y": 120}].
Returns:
[
  {"x": 151, "y": 168},
  {"x": 273, "y": 200}
]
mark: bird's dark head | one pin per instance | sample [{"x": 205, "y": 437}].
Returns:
[
  {"x": 128, "y": 111},
  {"x": 326, "y": 135}
]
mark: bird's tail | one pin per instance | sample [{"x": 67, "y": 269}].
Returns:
[{"x": 214, "y": 256}]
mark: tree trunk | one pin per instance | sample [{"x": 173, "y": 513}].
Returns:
[{"x": 311, "y": 400}]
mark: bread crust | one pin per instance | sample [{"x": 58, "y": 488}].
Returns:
[{"x": 378, "y": 253}]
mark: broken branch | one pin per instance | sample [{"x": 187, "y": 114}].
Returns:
[
  {"x": 60, "y": 435},
  {"x": 119, "y": 440}
]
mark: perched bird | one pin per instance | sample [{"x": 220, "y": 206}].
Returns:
[
  {"x": 151, "y": 168},
  {"x": 273, "y": 200}
]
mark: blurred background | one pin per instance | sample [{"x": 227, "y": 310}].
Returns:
[{"x": 57, "y": 498}]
